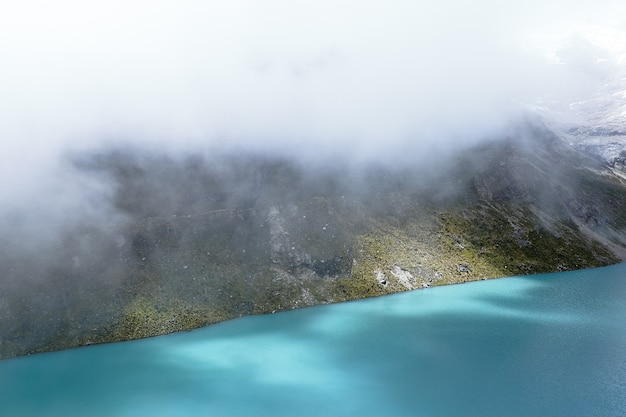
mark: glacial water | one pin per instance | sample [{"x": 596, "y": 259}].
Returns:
[{"x": 544, "y": 345}]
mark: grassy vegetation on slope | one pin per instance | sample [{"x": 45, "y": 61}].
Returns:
[{"x": 205, "y": 241}]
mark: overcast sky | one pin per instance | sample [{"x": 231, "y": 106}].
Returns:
[{"x": 356, "y": 76}]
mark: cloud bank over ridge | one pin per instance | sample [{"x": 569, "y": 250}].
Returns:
[{"x": 357, "y": 78}]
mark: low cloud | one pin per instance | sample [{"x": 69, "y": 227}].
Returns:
[
  {"x": 358, "y": 79},
  {"x": 118, "y": 116}
]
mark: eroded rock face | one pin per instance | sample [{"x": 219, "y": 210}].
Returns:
[{"x": 208, "y": 240}]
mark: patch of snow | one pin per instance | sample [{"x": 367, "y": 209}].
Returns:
[
  {"x": 380, "y": 277},
  {"x": 404, "y": 277}
]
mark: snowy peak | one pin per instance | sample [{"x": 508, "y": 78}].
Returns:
[{"x": 593, "y": 119}]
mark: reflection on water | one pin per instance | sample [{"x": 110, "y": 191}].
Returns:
[{"x": 546, "y": 345}]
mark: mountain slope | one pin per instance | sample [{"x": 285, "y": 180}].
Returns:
[{"x": 206, "y": 239}]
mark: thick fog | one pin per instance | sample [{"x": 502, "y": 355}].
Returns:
[
  {"x": 359, "y": 80},
  {"x": 126, "y": 126}
]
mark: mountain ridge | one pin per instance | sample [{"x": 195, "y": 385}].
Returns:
[{"x": 208, "y": 239}]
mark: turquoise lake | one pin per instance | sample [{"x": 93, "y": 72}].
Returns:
[{"x": 542, "y": 345}]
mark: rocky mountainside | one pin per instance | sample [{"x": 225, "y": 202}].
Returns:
[
  {"x": 205, "y": 239},
  {"x": 597, "y": 125},
  {"x": 591, "y": 119}
]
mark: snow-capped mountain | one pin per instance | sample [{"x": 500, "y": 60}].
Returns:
[{"x": 594, "y": 122}]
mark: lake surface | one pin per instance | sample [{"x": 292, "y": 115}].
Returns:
[{"x": 544, "y": 345}]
